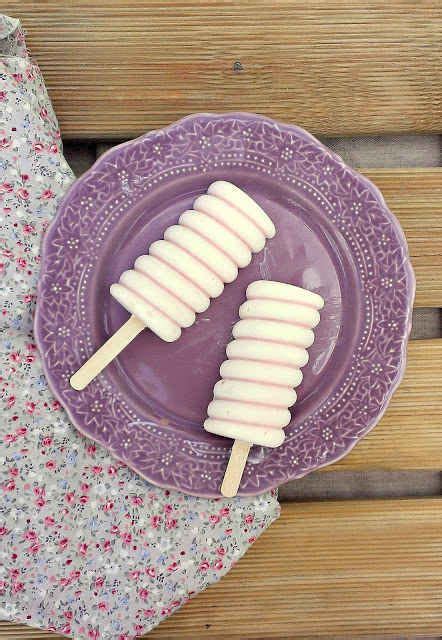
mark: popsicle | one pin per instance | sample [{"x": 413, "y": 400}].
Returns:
[
  {"x": 257, "y": 387},
  {"x": 181, "y": 272}
]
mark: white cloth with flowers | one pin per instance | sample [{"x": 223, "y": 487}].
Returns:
[{"x": 87, "y": 548}]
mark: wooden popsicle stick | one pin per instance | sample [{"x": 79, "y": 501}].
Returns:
[
  {"x": 106, "y": 353},
  {"x": 235, "y": 468}
]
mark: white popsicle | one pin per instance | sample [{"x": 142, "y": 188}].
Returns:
[
  {"x": 251, "y": 400},
  {"x": 179, "y": 275}
]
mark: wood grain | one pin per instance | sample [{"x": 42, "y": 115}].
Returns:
[
  {"x": 335, "y": 569},
  {"x": 409, "y": 436},
  {"x": 117, "y": 69},
  {"x": 415, "y": 197}
]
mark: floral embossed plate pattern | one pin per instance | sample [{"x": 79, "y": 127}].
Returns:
[{"x": 335, "y": 236}]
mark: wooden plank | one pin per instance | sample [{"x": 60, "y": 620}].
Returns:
[
  {"x": 409, "y": 436},
  {"x": 336, "y": 569},
  {"x": 116, "y": 69},
  {"x": 415, "y": 197}
]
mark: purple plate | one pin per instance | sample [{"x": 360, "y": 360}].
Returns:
[{"x": 335, "y": 236}]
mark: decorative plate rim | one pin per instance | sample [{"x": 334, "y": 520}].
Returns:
[{"x": 302, "y": 133}]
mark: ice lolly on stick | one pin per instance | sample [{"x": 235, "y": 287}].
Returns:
[
  {"x": 176, "y": 280},
  {"x": 264, "y": 363}
]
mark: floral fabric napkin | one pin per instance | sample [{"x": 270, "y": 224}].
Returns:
[{"x": 87, "y": 548}]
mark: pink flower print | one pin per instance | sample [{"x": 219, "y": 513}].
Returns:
[
  {"x": 47, "y": 441},
  {"x": 155, "y": 521},
  {"x": 137, "y": 500},
  {"x": 23, "y": 193},
  {"x": 9, "y": 438},
  {"x": 21, "y": 431},
  {"x": 13, "y": 471},
  {"x": 218, "y": 565},
  {"x": 114, "y": 530},
  {"x": 82, "y": 548},
  {"x": 50, "y": 465},
  {"x": 15, "y": 357},
  {"x": 108, "y": 506},
  {"x": 28, "y": 228},
  {"x": 107, "y": 546},
  {"x": 204, "y": 566},
  {"x": 167, "y": 508},
  {"x": 30, "y": 359},
  {"x": 38, "y": 146},
  {"x": 151, "y": 572},
  {"x": 249, "y": 518},
  {"x": 27, "y": 298},
  {"x": 5, "y": 143},
  {"x": 84, "y": 499},
  {"x": 47, "y": 194},
  {"x": 3, "y": 531},
  {"x": 221, "y": 551},
  {"x": 134, "y": 575},
  {"x": 126, "y": 538},
  {"x": 18, "y": 77},
  {"x": 112, "y": 470},
  {"x": 3, "y": 585},
  {"x": 224, "y": 511},
  {"x": 102, "y": 606},
  {"x": 34, "y": 548},
  {"x": 63, "y": 544},
  {"x": 66, "y": 629},
  {"x": 68, "y": 615},
  {"x": 14, "y": 573},
  {"x": 96, "y": 470},
  {"x": 123, "y": 637},
  {"x": 17, "y": 587},
  {"x": 2, "y": 96},
  {"x": 99, "y": 582},
  {"x": 56, "y": 405},
  {"x": 53, "y": 148},
  {"x": 94, "y": 634},
  {"x": 49, "y": 521},
  {"x": 251, "y": 540},
  {"x": 40, "y": 502},
  {"x": 10, "y": 401},
  {"x": 214, "y": 519},
  {"x": 172, "y": 567},
  {"x": 144, "y": 594},
  {"x": 9, "y": 486},
  {"x": 171, "y": 523},
  {"x": 91, "y": 449},
  {"x": 24, "y": 177},
  {"x": 149, "y": 613},
  {"x": 84, "y": 487},
  {"x": 5, "y": 187},
  {"x": 30, "y": 407},
  {"x": 30, "y": 535},
  {"x": 228, "y": 532},
  {"x": 21, "y": 263},
  {"x": 70, "y": 497},
  {"x": 44, "y": 113}
]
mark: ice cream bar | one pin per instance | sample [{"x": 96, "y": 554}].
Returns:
[
  {"x": 181, "y": 272},
  {"x": 252, "y": 399}
]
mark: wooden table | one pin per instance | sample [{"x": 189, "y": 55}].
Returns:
[{"x": 332, "y": 568}]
